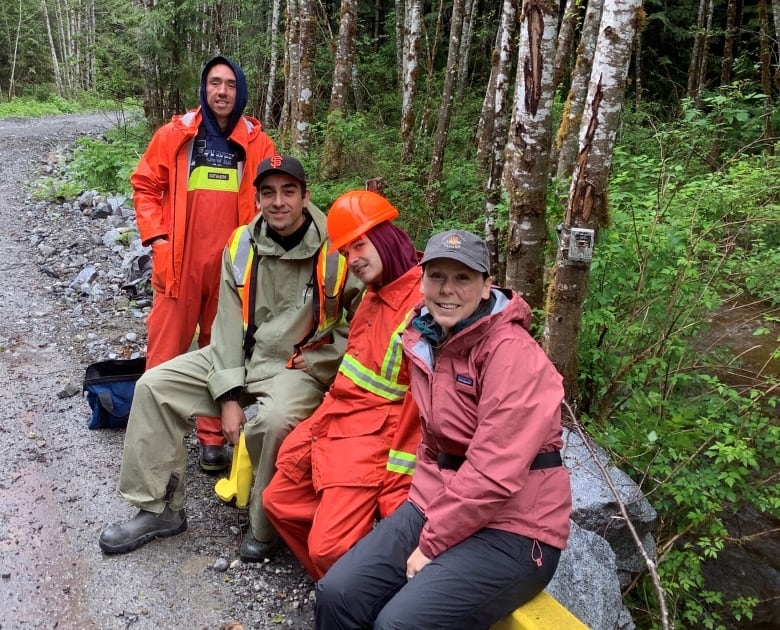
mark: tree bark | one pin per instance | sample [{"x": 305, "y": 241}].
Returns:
[
  {"x": 273, "y": 62},
  {"x": 586, "y": 205},
  {"x": 566, "y": 138},
  {"x": 491, "y": 149},
  {"x": 11, "y": 84},
  {"x": 566, "y": 34},
  {"x": 728, "y": 43},
  {"x": 410, "y": 75},
  {"x": 400, "y": 42},
  {"x": 465, "y": 48},
  {"x": 54, "y": 62},
  {"x": 445, "y": 108},
  {"x": 698, "y": 65},
  {"x": 342, "y": 75},
  {"x": 766, "y": 74},
  {"x": 528, "y": 150},
  {"x": 305, "y": 93}
]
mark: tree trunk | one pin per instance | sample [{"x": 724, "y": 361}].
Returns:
[
  {"x": 273, "y": 62},
  {"x": 528, "y": 150},
  {"x": 342, "y": 75},
  {"x": 571, "y": 15},
  {"x": 465, "y": 48},
  {"x": 586, "y": 205},
  {"x": 11, "y": 83},
  {"x": 292, "y": 52},
  {"x": 431, "y": 51},
  {"x": 493, "y": 135},
  {"x": 400, "y": 43},
  {"x": 698, "y": 65},
  {"x": 728, "y": 44},
  {"x": 410, "y": 75},
  {"x": 54, "y": 62},
  {"x": 566, "y": 138},
  {"x": 304, "y": 95},
  {"x": 638, "y": 88},
  {"x": 766, "y": 74},
  {"x": 445, "y": 108}
]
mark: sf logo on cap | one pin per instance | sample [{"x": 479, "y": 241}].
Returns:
[
  {"x": 276, "y": 161},
  {"x": 453, "y": 242}
]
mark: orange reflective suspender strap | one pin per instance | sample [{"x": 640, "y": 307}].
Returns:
[{"x": 331, "y": 277}]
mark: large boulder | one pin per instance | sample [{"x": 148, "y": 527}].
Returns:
[
  {"x": 586, "y": 582},
  {"x": 596, "y": 509}
]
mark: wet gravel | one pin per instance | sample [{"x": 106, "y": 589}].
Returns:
[{"x": 57, "y": 478}]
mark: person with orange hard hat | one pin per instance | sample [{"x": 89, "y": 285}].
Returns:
[{"x": 351, "y": 462}]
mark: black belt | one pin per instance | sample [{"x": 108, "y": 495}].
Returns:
[{"x": 549, "y": 459}]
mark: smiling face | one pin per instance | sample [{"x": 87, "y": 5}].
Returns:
[
  {"x": 453, "y": 291},
  {"x": 280, "y": 200},
  {"x": 363, "y": 260},
  {"x": 221, "y": 92}
]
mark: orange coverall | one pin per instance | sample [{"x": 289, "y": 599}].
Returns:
[
  {"x": 198, "y": 224},
  {"x": 351, "y": 462}
]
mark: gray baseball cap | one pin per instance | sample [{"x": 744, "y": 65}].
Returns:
[{"x": 465, "y": 247}]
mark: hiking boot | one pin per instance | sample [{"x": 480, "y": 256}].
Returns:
[
  {"x": 142, "y": 528},
  {"x": 213, "y": 458},
  {"x": 253, "y": 550}
]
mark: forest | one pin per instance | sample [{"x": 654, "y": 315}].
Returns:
[{"x": 619, "y": 157}]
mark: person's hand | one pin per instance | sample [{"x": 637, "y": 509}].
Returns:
[
  {"x": 298, "y": 362},
  {"x": 415, "y": 563},
  {"x": 233, "y": 418}
]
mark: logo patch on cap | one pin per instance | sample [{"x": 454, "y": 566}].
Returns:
[
  {"x": 453, "y": 242},
  {"x": 276, "y": 161}
]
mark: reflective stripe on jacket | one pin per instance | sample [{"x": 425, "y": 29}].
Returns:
[
  {"x": 327, "y": 311},
  {"x": 161, "y": 179}
]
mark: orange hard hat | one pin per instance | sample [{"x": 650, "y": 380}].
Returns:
[{"x": 354, "y": 213}]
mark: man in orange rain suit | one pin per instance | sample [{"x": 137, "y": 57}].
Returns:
[
  {"x": 191, "y": 189},
  {"x": 352, "y": 461}
]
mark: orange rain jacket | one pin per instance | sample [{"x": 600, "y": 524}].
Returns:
[
  {"x": 359, "y": 443},
  {"x": 160, "y": 183}
]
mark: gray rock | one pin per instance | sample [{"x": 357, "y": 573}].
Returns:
[
  {"x": 595, "y": 507},
  {"x": 586, "y": 581}
]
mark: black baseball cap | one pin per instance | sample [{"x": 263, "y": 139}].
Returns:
[{"x": 284, "y": 164}]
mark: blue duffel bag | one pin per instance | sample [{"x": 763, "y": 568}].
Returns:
[{"x": 109, "y": 386}]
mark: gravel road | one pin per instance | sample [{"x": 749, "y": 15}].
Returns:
[{"x": 58, "y": 479}]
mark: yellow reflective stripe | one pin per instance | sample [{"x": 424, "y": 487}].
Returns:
[
  {"x": 401, "y": 462},
  {"x": 370, "y": 381},
  {"x": 241, "y": 256},
  {"x": 213, "y": 178},
  {"x": 332, "y": 271},
  {"x": 391, "y": 364}
]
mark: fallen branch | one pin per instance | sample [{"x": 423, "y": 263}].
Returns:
[{"x": 651, "y": 565}]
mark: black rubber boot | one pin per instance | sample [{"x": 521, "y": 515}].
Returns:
[
  {"x": 142, "y": 528},
  {"x": 253, "y": 550},
  {"x": 213, "y": 458}
]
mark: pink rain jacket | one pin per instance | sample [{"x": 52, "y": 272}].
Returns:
[{"x": 495, "y": 397}]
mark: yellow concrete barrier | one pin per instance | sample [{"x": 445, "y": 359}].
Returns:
[
  {"x": 239, "y": 483},
  {"x": 543, "y": 612}
]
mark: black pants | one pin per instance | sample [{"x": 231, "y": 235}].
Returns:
[{"x": 470, "y": 586}]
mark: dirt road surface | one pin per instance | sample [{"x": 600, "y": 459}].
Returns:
[{"x": 58, "y": 479}]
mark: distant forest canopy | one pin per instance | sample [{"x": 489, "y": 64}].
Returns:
[{"x": 153, "y": 49}]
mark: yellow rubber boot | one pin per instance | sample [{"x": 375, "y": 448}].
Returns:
[{"x": 239, "y": 483}]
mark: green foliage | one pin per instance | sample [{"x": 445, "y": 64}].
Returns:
[
  {"x": 101, "y": 164},
  {"x": 40, "y": 105},
  {"x": 655, "y": 386}
]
